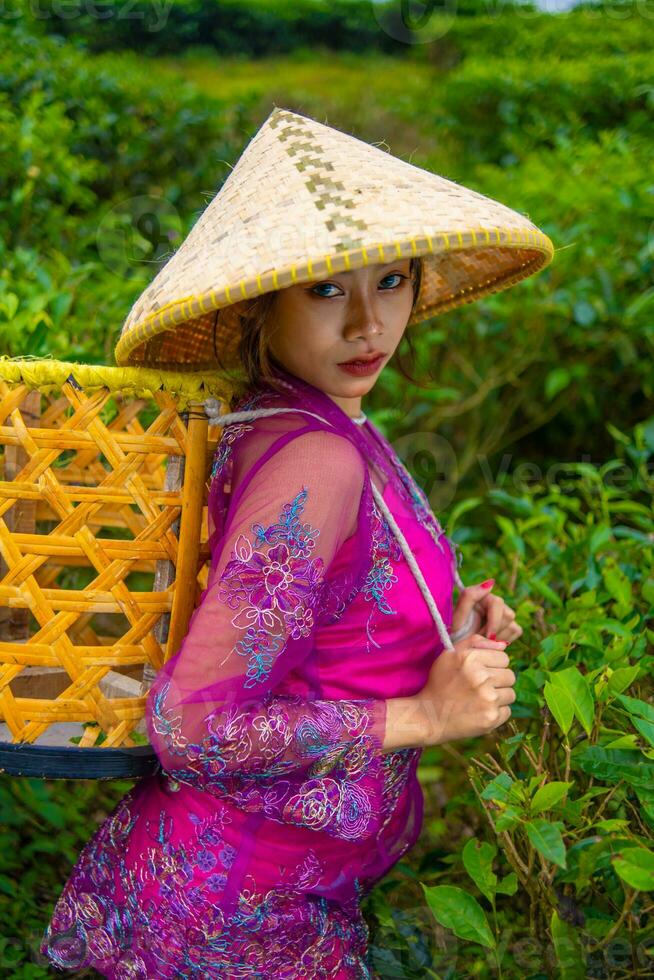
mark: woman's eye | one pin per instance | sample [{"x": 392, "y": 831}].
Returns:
[
  {"x": 394, "y": 275},
  {"x": 322, "y": 285}
]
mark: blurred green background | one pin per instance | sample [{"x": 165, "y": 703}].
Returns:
[{"x": 117, "y": 130}]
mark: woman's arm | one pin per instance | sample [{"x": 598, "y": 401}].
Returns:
[
  {"x": 215, "y": 714},
  {"x": 407, "y": 724}
]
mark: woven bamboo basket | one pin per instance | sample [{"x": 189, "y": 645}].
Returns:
[{"x": 104, "y": 477}]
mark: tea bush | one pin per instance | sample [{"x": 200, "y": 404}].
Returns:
[
  {"x": 241, "y": 28},
  {"x": 541, "y": 860},
  {"x": 107, "y": 170},
  {"x": 114, "y": 160}
]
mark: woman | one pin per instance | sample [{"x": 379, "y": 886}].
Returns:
[{"x": 316, "y": 667}]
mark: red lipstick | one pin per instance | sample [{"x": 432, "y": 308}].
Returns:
[{"x": 364, "y": 365}]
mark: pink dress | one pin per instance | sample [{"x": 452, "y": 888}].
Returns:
[{"x": 276, "y": 808}]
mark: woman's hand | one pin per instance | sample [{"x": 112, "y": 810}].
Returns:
[
  {"x": 477, "y": 609},
  {"x": 468, "y": 691}
]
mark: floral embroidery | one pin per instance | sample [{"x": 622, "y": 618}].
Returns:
[
  {"x": 385, "y": 548},
  {"x": 276, "y": 592},
  {"x": 275, "y": 589},
  {"x": 323, "y": 736},
  {"x": 228, "y": 437},
  {"x": 164, "y": 893},
  {"x": 308, "y": 872},
  {"x": 420, "y": 501},
  {"x": 397, "y": 766},
  {"x": 233, "y": 431},
  {"x": 182, "y": 932}
]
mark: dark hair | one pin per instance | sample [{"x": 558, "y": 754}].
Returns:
[
  {"x": 252, "y": 323},
  {"x": 416, "y": 267}
]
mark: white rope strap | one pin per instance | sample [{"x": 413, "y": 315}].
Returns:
[
  {"x": 212, "y": 407},
  {"x": 469, "y": 625},
  {"x": 417, "y": 574}
]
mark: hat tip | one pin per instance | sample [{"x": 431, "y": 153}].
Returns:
[{"x": 284, "y": 111}]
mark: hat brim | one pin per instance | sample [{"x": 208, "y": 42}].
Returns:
[{"x": 458, "y": 268}]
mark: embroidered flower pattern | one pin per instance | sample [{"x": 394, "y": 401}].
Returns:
[
  {"x": 275, "y": 589},
  {"x": 145, "y": 899},
  {"x": 274, "y": 585},
  {"x": 166, "y": 921},
  {"x": 423, "y": 511},
  {"x": 232, "y": 432},
  {"x": 381, "y": 576}
]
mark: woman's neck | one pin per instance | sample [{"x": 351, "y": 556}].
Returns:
[{"x": 351, "y": 406}]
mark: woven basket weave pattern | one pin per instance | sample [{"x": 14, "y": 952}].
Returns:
[{"x": 85, "y": 501}]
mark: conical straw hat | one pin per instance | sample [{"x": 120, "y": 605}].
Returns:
[{"x": 306, "y": 201}]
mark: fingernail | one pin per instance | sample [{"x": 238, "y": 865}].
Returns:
[
  {"x": 492, "y": 636},
  {"x": 487, "y": 584}
]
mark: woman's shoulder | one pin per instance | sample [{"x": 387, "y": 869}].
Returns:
[{"x": 300, "y": 440}]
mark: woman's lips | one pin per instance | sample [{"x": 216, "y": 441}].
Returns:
[{"x": 362, "y": 368}]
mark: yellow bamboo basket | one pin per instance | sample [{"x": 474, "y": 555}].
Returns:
[{"x": 104, "y": 478}]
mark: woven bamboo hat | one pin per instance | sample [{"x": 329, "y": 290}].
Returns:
[{"x": 306, "y": 201}]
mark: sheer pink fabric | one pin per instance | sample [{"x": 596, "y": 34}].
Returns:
[{"x": 269, "y": 722}]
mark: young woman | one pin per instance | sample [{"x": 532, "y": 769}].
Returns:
[{"x": 316, "y": 667}]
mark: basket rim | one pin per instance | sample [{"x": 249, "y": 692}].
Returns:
[{"x": 46, "y": 373}]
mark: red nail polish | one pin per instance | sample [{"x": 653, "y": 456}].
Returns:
[
  {"x": 492, "y": 636},
  {"x": 487, "y": 584}
]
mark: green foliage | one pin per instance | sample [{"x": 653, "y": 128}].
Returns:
[
  {"x": 43, "y": 827},
  {"x": 558, "y": 818},
  {"x": 562, "y": 101},
  {"x": 232, "y": 27},
  {"x": 87, "y": 205},
  {"x": 531, "y": 373},
  {"x": 111, "y": 153},
  {"x": 523, "y": 38}
]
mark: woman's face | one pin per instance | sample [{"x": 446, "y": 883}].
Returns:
[{"x": 318, "y": 325}]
